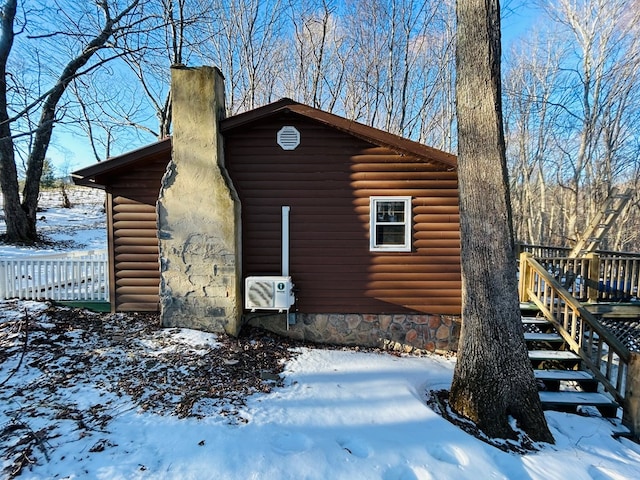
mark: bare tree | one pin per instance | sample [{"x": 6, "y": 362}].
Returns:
[
  {"x": 171, "y": 33},
  {"x": 8, "y": 170},
  {"x": 113, "y": 119},
  {"x": 572, "y": 113},
  {"x": 401, "y": 68},
  {"x": 436, "y": 117},
  {"x": 171, "y": 38},
  {"x": 531, "y": 85},
  {"x": 108, "y": 21},
  {"x": 320, "y": 52},
  {"x": 493, "y": 378},
  {"x": 317, "y": 69},
  {"x": 244, "y": 41}
]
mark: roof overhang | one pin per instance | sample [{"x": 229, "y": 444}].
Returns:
[{"x": 91, "y": 176}]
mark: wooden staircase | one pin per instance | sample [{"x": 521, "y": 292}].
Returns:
[{"x": 564, "y": 385}]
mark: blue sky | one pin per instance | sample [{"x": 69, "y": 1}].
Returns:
[
  {"x": 517, "y": 18},
  {"x": 72, "y": 151}
]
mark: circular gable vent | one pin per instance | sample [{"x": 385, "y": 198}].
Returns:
[{"x": 288, "y": 137}]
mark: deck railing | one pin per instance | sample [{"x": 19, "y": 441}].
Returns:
[
  {"x": 65, "y": 276},
  {"x": 547, "y": 251},
  {"x": 600, "y": 351},
  {"x": 543, "y": 250},
  {"x": 618, "y": 277},
  {"x": 602, "y": 276}
]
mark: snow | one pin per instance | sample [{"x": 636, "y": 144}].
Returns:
[
  {"x": 340, "y": 414},
  {"x": 81, "y": 227}
]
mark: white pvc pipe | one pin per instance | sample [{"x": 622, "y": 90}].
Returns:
[{"x": 285, "y": 240}]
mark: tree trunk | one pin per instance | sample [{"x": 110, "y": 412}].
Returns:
[
  {"x": 493, "y": 378},
  {"x": 21, "y": 217},
  {"x": 15, "y": 217}
]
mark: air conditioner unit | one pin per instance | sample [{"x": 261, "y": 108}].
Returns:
[{"x": 268, "y": 293}]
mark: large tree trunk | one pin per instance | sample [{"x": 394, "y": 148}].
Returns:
[
  {"x": 16, "y": 218},
  {"x": 21, "y": 217},
  {"x": 493, "y": 378}
]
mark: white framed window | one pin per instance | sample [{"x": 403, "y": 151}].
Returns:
[{"x": 390, "y": 224}]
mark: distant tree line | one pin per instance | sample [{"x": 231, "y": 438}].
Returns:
[
  {"x": 572, "y": 107},
  {"x": 570, "y": 96}
]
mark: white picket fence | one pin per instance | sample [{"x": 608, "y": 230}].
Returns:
[{"x": 64, "y": 276}]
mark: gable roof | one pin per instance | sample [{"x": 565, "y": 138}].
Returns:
[
  {"x": 351, "y": 127},
  {"x": 90, "y": 176}
]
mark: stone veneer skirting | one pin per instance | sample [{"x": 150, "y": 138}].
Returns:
[{"x": 398, "y": 332}]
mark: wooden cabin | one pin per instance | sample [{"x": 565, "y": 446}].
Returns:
[
  {"x": 373, "y": 225},
  {"x": 132, "y": 184}
]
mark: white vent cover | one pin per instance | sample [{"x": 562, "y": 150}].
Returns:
[{"x": 288, "y": 137}]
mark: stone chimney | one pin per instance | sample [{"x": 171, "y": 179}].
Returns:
[{"x": 199, "y": 212}]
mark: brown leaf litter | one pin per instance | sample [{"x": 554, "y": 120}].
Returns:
[{"x": 47, "y": 352}]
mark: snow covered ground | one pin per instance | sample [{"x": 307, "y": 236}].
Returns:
[
  {"x": 335, "y": 414},
  {"x": 81, "y": 227}
]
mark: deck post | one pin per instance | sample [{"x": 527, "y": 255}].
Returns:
[
  {"x": 631, "y": 408},
  {"x": 523, "y": 279},
  {"x": 3, "y": 281},
  {"x": 593, "y": 279}
]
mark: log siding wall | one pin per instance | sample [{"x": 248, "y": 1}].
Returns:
[
  {"x": 327, "y": 181},
  {"x": 133, "y": 237}
]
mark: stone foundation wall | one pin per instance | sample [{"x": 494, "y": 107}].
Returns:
[{"x": 399, "y": 332}]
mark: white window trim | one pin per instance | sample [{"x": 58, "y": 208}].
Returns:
[{"x": 408, "y": 237}]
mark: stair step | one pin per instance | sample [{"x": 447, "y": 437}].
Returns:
[
  {"x": 528, "y": 307},
  {"x": 569, "y": 400},
  {"x": 564, "y": 375},
  {"x": 538, "y": 323},
  {"x": 554, "y": 359},
  {"x": 559, "y": 355},
  {"x": 543, "y": 337},
  {"x": 534, "y": 320},
  {"x": 576, "y": 398},
  {"x": 553, "y": 379}
]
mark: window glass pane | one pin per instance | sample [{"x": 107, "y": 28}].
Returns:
[
  {"x": 390, "y": 212},
  {"x": 390, "y": 235},
  {"x": 390, "y": 224}
]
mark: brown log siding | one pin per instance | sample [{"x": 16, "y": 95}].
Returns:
[
  {"x": 133, "y": 238},
  {"x": 328, "y": 181}
]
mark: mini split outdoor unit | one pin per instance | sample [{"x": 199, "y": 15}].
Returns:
[
  {"x": 273, "y": 292},
  {"x": 268, "y": 293}
]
